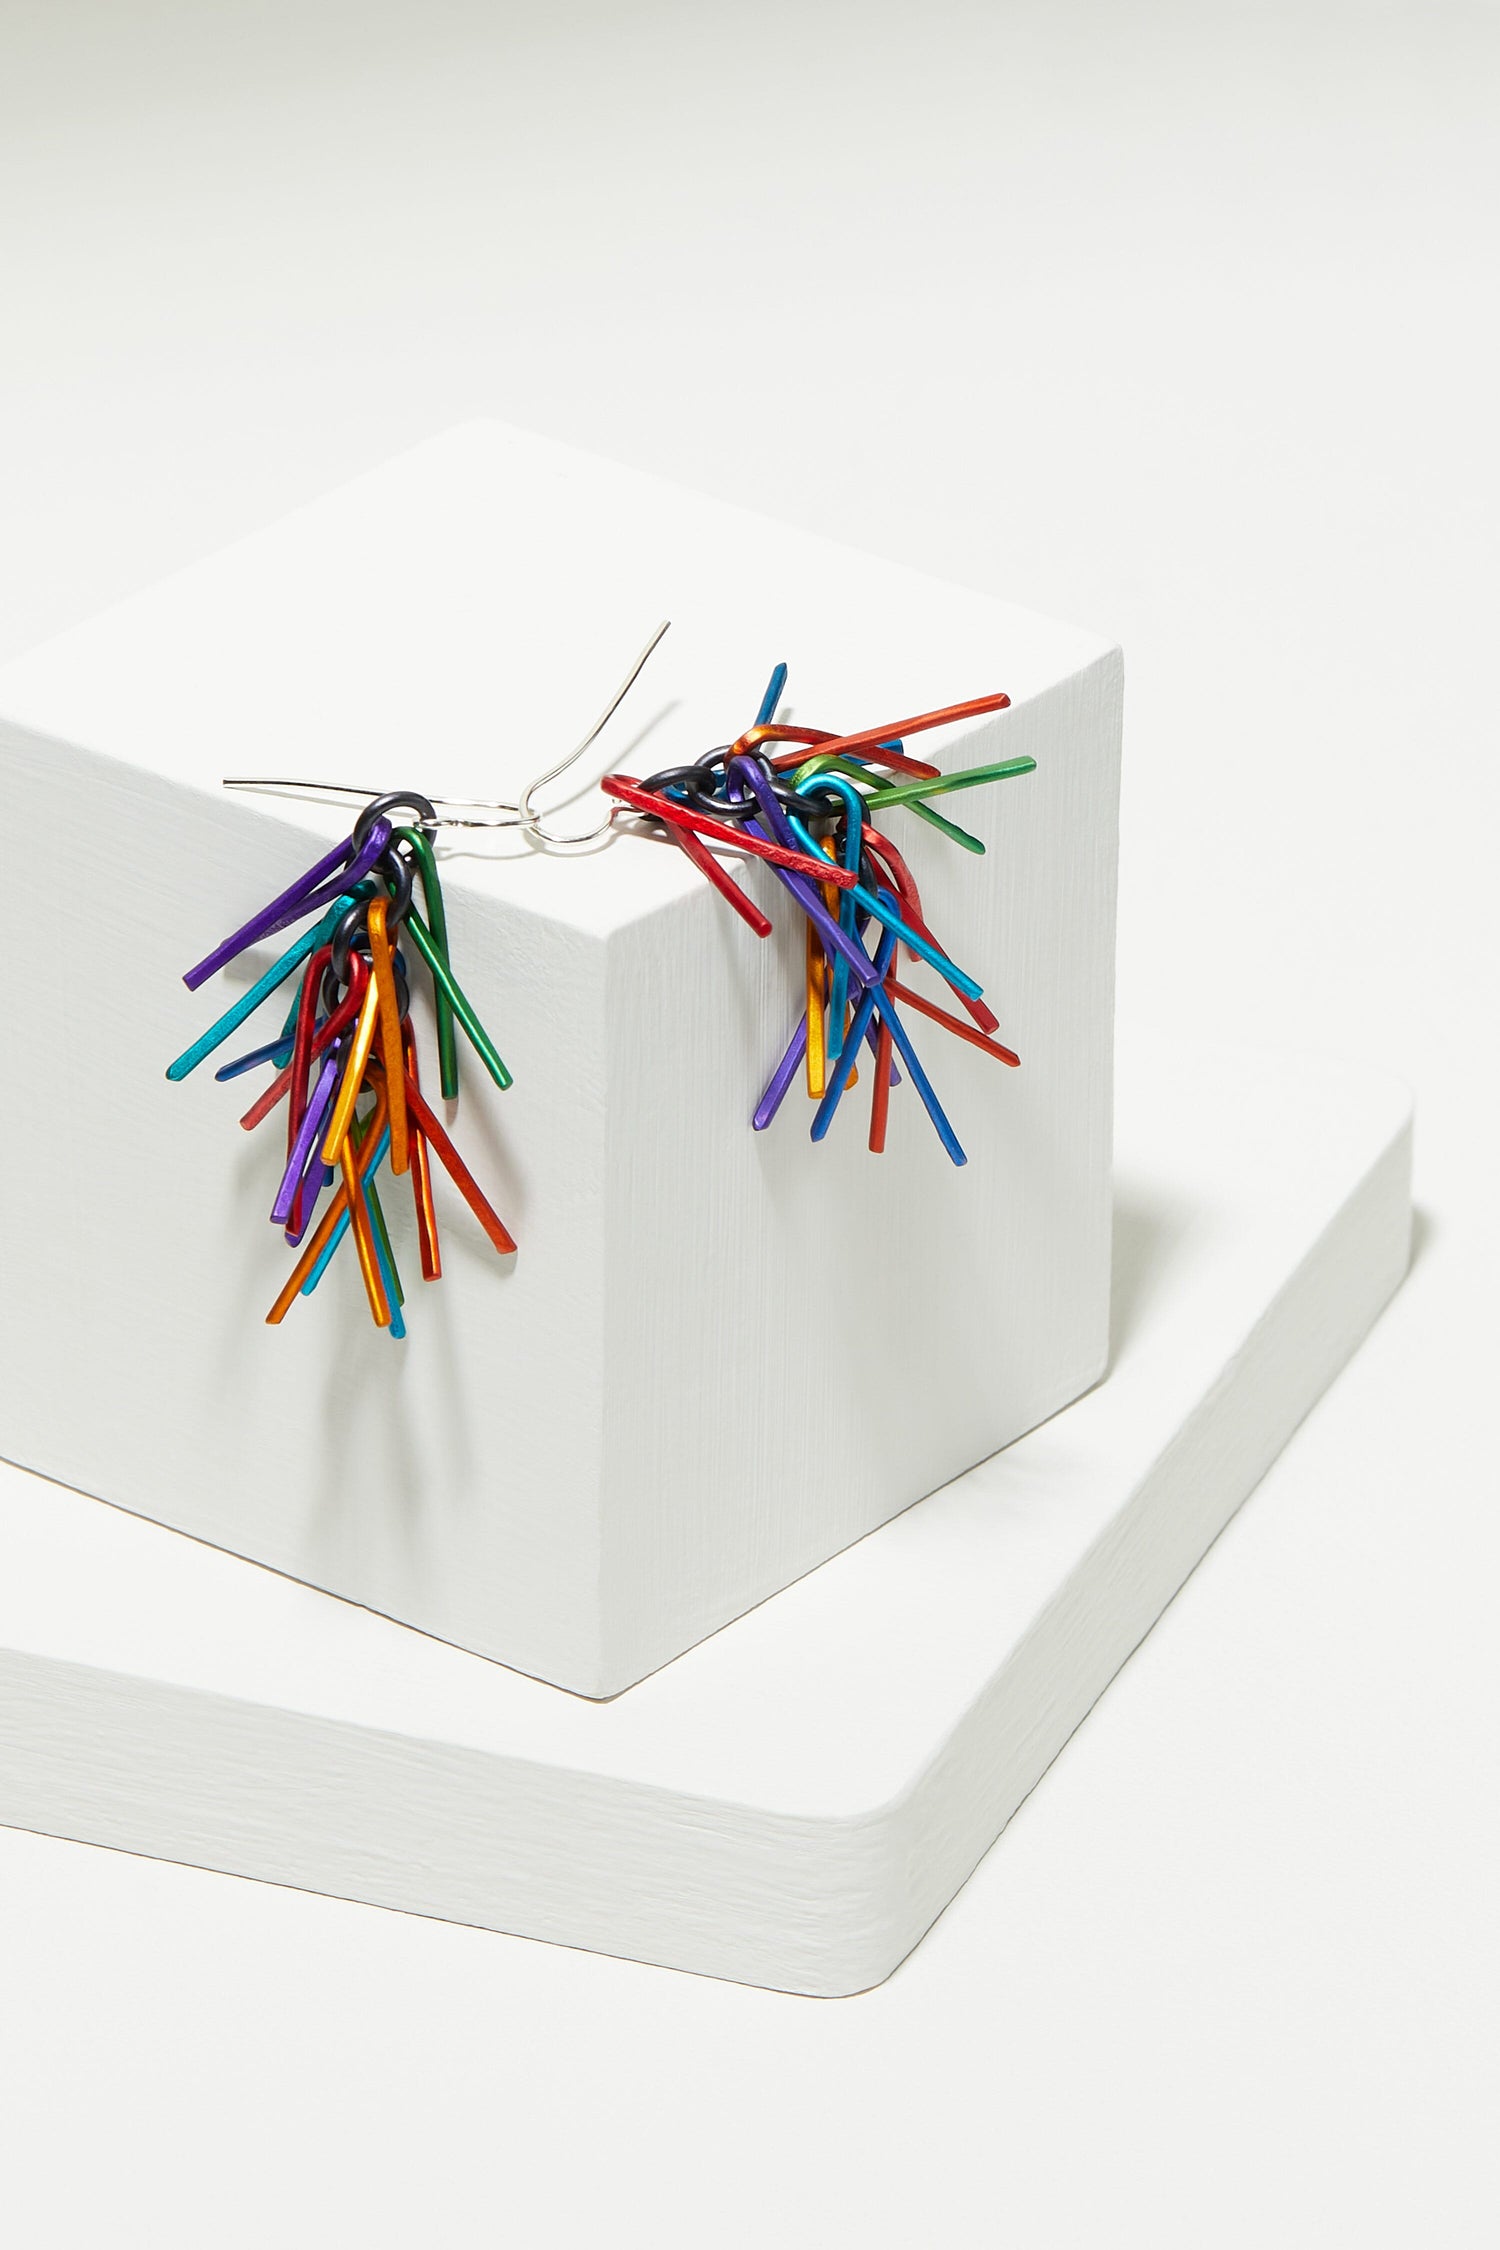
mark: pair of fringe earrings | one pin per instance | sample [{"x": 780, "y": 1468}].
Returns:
[{"x": 345, "y": 1061}]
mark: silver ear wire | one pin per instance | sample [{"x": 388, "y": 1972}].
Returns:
[
  {"x": 530, "y": 820},
  {"x": 479, "y": 812}
]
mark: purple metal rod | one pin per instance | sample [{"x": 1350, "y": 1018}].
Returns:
[
  {"x": 747, "y": 772},
  {"x": 812, "y": 906},
  {"x": 307, "y": 1134},
  {"x": 791, "y": 1062},
  {"x": 781, "y": 1077},
  {"x": 774, "y": 828},
  {"x": 293, "y": 903},
  {"x": 265, "y": 921},
  {"x": 318, "y": 1176},
  {"x": 358, "y": 868}
]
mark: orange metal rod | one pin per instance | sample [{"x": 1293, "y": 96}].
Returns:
[
  {"x": 364, "y": 1234},
  {"x": 317, "y": 1241},
  {"x": 915, "y": 769},
  {"x": 354, "y": 1074},
  {"x": 818, "y": 738},
  {"x": 390, "y": 1031},
  {"x": 817, "y": 1050},
  {"x": 900, "y": 728}
]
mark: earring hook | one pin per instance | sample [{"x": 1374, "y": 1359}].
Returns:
[
  {"x": 530, "y": 820},
  {"x": 482, "y": 812}
]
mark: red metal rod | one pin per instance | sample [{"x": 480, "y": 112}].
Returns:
[
  {"x": 880, "y": 1095},
  {"x": 959, "y": 1029},
  {"x": 723, "y": 882},
  {"x": 900, "y": 728},
  {"x": 301, "y": 1060},
  {"x": 421, "y": 1173},
  {"x": 343, "y": 1015},
  {"x": 983, "y": 1014},
  {"x": 631, "y": 793},
  {"x": 817, "y": 738},
  {"x": 903, "y": 882},
  {"x": 462, "y": 1178}
]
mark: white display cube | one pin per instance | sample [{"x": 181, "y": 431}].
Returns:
[{"x": 719, "y": 1356}]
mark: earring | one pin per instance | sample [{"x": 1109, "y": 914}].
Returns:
[
  {"x": 807, "y": 810},
  {"x": 345, "y": 1061}
]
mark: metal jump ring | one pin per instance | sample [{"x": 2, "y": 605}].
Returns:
[
  {"x": 378, "y": 807},
  {"x": 347, "y": 931},
  {"x": 397, "y": 874}
]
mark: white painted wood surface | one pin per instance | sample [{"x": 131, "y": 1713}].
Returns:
[
  {"x": 681, "y": 1397},
  {"x": 793, "y": 1802}
]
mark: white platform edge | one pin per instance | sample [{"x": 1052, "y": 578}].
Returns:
[{"x": 154, "y": 1760}]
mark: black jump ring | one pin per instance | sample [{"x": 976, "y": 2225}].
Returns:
[
  {"x": 378, "y": 807},
  {"x": 704, "y": 787},
  {"x": 347, "y": 931},
  {"x": 676, "y": 777},
  {"x": 396, "y": 873}
]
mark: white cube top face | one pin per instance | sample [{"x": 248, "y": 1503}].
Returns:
[{"x": 719, "y": 1356}]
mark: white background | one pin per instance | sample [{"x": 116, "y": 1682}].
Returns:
[{"x": 1177, "y": 320}]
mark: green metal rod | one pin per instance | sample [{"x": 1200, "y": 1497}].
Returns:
[
  {"x": 437, "y": 916},
  {"x": 479, "y": 1038},
  {"x": 377, "y": 1220},
  {"x": 359, "y": 1132},
  {"x": 948, "y": 828},
  {"x": 825, "y": 762},
  {"x": 902, "y": 792}
]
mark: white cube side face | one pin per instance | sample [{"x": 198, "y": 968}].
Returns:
[
  {"x": 719, "y": 1356},
  {"x": 452, "y": 1481},
  {"x": 805, "y": 1339}
]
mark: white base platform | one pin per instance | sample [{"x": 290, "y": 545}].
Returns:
[{"x": 795, "y": 1801}]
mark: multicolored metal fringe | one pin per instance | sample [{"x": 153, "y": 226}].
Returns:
[
  {"x": 807, "y": 810},
  {"x": 345, "y": 1060}
]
